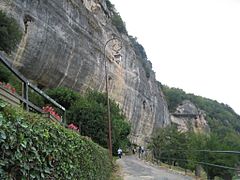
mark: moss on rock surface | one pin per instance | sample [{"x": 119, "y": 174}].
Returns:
[{"x": 10, "y": 34}]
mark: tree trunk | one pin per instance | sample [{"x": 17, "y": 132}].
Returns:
[
  {"x": 198, "y": 170},
  {"x": 227, "y": 177},
  {"x": 210, "y": 177}
]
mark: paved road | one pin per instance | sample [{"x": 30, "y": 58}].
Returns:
[{"x": 135, "y": 169}]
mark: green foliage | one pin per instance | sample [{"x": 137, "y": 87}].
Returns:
[
  {"x": 89, "y": 111},
  {"x": 174, "y": 97},
  {"x": 218, "y": 114},
  {"x": 166, "y": 141},
  {"x": 35, "y": 98},
  {"x": 91, "y": 116},
  {"x": 230, "y": 142},
  {"x": 224, "y": 123},
  {"x": 118, "y": 23},
  {"x": 139, "y": 49},
  {"x": 110, "y": 6},
  {"x": 185, "y": 149},
  {"x": 10, "y": 34},
  {"x": 8, "y": 77},
  {"x": 64, "y": 96},
  {"x": 116, "y": 18},
  {"x": 141, "y": 54},
  {"x": 4, "y": 74},
  {"x": 121, "y": 27},
  {"x": 36, "y": 148}
]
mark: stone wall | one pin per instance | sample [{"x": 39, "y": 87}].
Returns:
[{"x": 63, "y": 45}]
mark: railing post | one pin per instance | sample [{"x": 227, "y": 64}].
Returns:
[
  {"x": 25, "y": 94},
  {"x": 64, "y": 117}
]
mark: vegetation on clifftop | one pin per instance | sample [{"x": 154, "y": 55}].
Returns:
[
  {"x": 218, "y": 115},
  {"x": 187, "y": 149},
  {"x": 116, "y": 18},
  {"x": 121, "y": 27},
  {"x": 141, "y": 55}
]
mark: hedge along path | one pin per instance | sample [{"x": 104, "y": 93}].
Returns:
[{"x": 35, "y": 148}]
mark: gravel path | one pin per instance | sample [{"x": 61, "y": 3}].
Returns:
[{"x": 136, "y": 169}]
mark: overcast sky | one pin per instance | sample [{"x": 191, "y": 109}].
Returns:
[{"x": 193, "y": 44}]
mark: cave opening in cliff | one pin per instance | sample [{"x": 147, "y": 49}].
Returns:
[{"x": 144, "y": 104}]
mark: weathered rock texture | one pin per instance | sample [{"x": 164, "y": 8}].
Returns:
[
  {"x": 188, "y": 117},
  {"x": 63, "y": 46}
]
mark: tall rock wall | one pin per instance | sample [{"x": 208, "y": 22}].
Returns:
[
  {"x": 188, "y": 117},
  {"x": 63, "y": 45}
]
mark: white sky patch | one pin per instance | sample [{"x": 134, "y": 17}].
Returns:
[{"x": 193, "y": 44}]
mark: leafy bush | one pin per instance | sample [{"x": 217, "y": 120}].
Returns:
[
  {"x": 4, "y": 73},
  {"x": 185, "y": 149},
  {"x": 7, "y": 76},
  {"x": 165, "y": 141},
  {"x": 35, "y": 98},
  {"x": 36, "y": 148},
  {"x": 10, "y": 34},
  {"x": 89, "y": 111},
  {"x": 64, "y": 96}
]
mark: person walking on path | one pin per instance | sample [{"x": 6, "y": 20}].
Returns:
[
  {"x": 119, "y": 153},
  {"x": 139, "y": 151}
]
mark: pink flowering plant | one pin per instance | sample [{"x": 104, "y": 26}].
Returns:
[
  {"x": 8, "y": 86},
  {"x": 73, "y": 127},
  {"x": 49, "y": 109}
]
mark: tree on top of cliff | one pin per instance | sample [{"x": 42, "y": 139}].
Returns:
[
  {"x": 110, "y": 6},
  {"x": 139, "y": 49},
  {"x": 141, "y": 54},
  {"x": 116, "y": 18},
  {"x": 118, "y": 23},
  {"x": 10, "y": 34},
  {"x": 218, "y": 114}
]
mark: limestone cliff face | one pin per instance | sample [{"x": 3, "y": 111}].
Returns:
[
  {"x": 188, "y": 117},
  {"x": 63, "y": 45}
]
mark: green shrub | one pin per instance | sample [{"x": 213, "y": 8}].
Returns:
[
  {"x": 10, "y": 34},
  {"x": 66, "y": 97},
  {"x": 118, "y": 23},
  {"x": 90, "y": 111},
  {"x": 110, "y": 6},
  {"x": 5, "y": 74},
  {"x": 185, "y": 149},
  {"x": 35, "y": 98},
  {"x": 8, "y": 77},
  {"x": 35, "y": 148}
]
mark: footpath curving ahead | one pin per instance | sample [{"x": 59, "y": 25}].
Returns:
[{"x": 133, "y": 168}]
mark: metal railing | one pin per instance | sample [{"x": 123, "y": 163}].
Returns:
[
  {"x": 162, "y": 157},
  {"x": 26, "y": 86}
]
